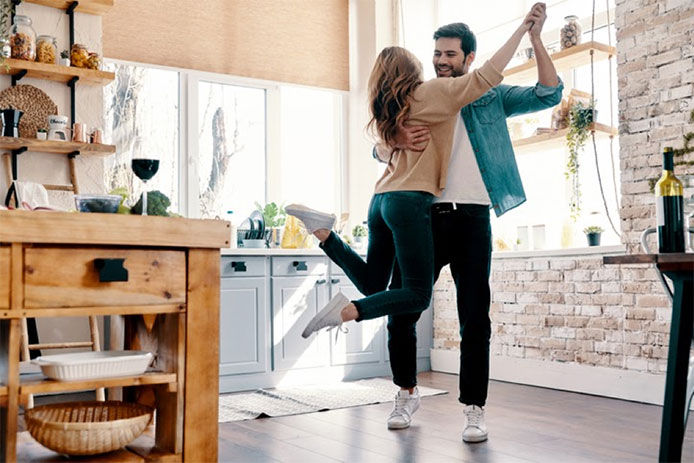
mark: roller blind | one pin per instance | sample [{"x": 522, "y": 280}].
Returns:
[{"x": 298, "y": 41}]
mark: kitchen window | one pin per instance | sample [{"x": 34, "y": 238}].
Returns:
[{"x": 225, "y": 143}]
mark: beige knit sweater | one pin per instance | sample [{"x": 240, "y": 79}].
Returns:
[{"x": 435, "y": 103}]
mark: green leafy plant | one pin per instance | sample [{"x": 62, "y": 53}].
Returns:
[
  {"x": 41, "y": 130},
  {"x": 580, "y": 119},
  {"x": 359, "y": 231},
  {"x": 593, "y": 229},
  {"x": 65, "y": 54},
  {"x": 273, "y": 215}
]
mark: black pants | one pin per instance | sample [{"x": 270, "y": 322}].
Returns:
[
  {"x": 462, "y": 238},
  {"x": 399, "y": 228}
]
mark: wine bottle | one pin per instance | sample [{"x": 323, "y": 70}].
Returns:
[{"x": 668, "y": 207}]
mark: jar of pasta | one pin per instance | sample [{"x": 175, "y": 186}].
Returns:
[
  {"x": 46, "y": 49},
  {"x": 570, "y": 33},
  {"x": 94, "y": 61},
  {"x": 23, "y": 39},
  {"x": 79, "y": 56}
]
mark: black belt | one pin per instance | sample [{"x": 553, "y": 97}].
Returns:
[{"x": 452, "y": 207}]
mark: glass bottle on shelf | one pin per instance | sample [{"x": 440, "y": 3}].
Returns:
[
  {"x": 570, "y": 33},
  {"x": 46, "y": 49},
  {"x": 23, "y": 39}
]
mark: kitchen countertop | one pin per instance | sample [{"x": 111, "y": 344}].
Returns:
[{"x": 276, "y": 252}]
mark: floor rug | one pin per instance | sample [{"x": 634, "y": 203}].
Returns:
[{"x": 308, "y": 399}]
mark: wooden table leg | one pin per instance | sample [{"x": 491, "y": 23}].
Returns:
[
  {"x": 674, "y": 405},
  {"x": 200, "y": 428}
]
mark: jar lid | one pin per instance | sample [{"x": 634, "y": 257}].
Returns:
[
  {"x": 50, "y": 38},
  {"x": 20, "y": 18},
  {"x": 571, "y": 17}
]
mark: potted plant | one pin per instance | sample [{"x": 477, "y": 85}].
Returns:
[
  {"x": 41, "y": 134},
  {"x": 274, "y": 218},
  {"x": 359, "y": 233},
  {"x": 65, "y": 58},
  {"x": 580, "y": 119},
  {"x": 593, "y": 234}
]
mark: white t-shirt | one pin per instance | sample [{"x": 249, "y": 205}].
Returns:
[{"x": 464, "y": 182}]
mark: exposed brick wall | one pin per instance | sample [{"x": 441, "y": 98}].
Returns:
[{"x": 575, "y": 309}]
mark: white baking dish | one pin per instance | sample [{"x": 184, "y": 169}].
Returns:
[{"x": 92, "y": 365}]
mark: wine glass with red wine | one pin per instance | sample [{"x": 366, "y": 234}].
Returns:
[{"x": 145, "y": 170}]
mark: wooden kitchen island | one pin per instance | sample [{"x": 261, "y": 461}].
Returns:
[{"x": 162, "y": 274}]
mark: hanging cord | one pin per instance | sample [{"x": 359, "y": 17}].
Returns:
[
  {"x": 609, "y": 60},
  {"x": 592, "y": 133}
]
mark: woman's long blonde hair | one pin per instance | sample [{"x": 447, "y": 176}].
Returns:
[{"x": 395, "y": 75}]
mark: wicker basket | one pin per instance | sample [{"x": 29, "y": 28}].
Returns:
[{"x": 87, "y": 428}]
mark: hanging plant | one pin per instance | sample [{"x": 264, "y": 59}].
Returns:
[{"x": 580, "y": 118}]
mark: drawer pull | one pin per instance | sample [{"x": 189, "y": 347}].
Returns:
[
  {"x": 111, "y": 270},
  {"x": 239, "y": 266},
  {"x": 322, "y": 281},
  {"x": 335, "y": 281},
  {"x": 300, "y": 265}
]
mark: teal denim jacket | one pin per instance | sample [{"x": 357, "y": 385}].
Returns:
[{"x": 485, "y": 120}]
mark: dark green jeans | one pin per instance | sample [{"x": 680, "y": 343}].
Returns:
[{"x": 399, "y": 228}]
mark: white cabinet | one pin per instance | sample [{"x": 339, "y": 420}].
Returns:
[
  {"x": 363, "y": 343},
  {"x": 243, "y": 320},
  {"x": 267, "y": 301}
]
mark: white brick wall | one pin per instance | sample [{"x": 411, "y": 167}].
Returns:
[{"x": 575, "y": 309}]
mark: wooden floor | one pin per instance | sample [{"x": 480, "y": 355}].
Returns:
[{"x": 525, "y": 424}]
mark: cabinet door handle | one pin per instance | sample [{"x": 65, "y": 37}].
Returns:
[
  {"x": 300, "y": 265},
  {"x": 239, "y": 266},
  {"x": 111, "y": 270},
  {"x": 335, "y": 281},
  {"x": 322, "y": 281}
]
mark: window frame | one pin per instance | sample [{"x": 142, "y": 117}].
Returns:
[{"x": 188, "y": 150}]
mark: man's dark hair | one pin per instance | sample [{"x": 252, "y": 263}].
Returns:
[{"x": 468, "y": 42}]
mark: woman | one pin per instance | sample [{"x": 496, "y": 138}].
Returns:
[{"x": 399, "y": 214}]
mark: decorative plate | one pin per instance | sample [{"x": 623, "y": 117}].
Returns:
[{"x": 35, "y": 103}]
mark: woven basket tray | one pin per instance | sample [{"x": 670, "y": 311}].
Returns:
[{"x": 87, "y": 428}]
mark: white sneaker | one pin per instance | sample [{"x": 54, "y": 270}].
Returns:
[
  {"x": 313, "y": 220},
  {"x": 328, "y": 317},
  {"x": 475, "y": 429},
  {"x": 403, "y": 408}
]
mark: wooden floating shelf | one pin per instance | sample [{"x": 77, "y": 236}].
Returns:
[
  {"x": 55, "y": 146},
  {"x": 86, "y": 311},
  {"x": 97, "y": 7},
  {"x": 3, "y": 391},
  {"x": 56, "y": 73},
  {"x": 557, "y": 138},
  {"x": 563, "y": 60},
  {"x": 43, "y": 385}
]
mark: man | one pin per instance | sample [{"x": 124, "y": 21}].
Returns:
[{"x": 482, "y": 173}]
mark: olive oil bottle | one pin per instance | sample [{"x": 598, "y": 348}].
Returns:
[{"x": 669, "y": 207}]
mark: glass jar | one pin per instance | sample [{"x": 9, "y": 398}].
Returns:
[
  {"x": 570, "y": 33},
  {"x": 94, "y": 61},
  {"x": 46, "y": 49},
  {"x": 23, "y": 39},
  {"x": 79, "y": 55}
]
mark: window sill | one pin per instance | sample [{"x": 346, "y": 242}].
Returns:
[{"x": 587, "y": 251}]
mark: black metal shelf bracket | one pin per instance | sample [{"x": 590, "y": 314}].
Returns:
[
  {"x": 71, "y": 83},
  {"x": 73, "y": 155},
  {"x": 70, "y": 11},
  {"x": 12, "y": 191},
  {"x": 19, "y": 76},
  {"x": 15, "y": 3}
]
